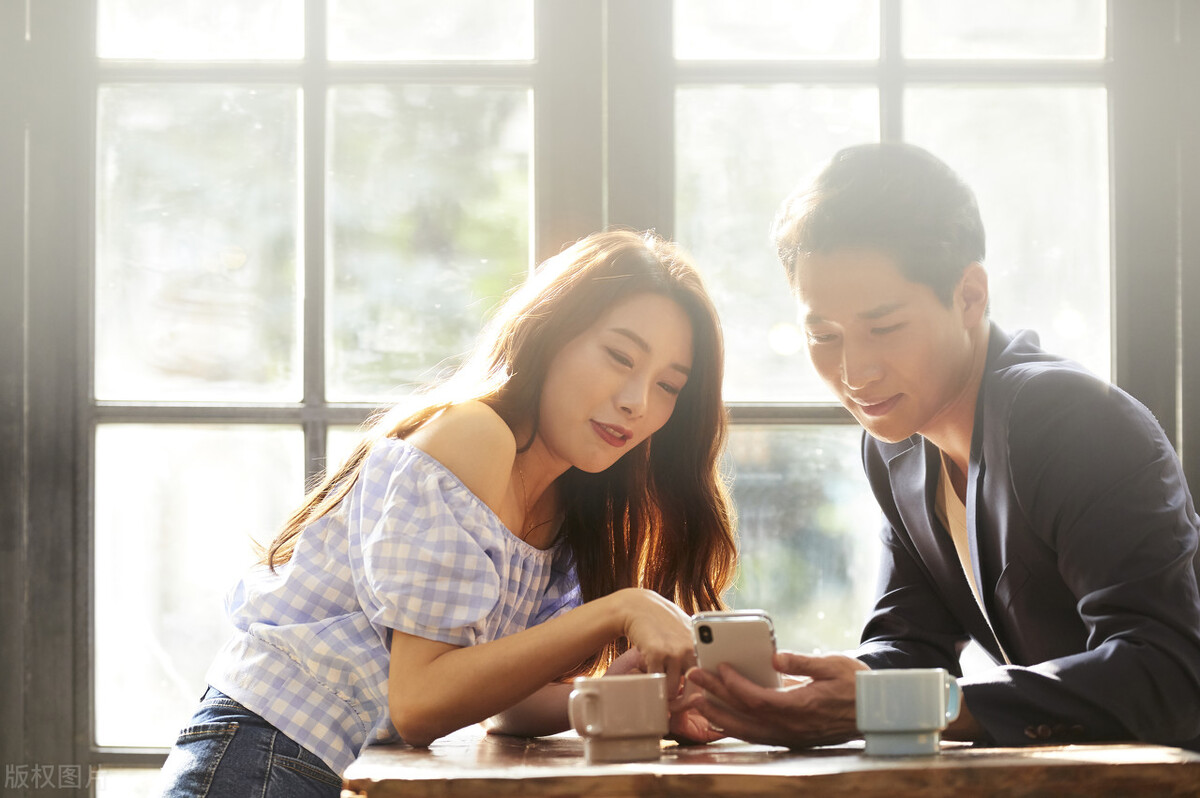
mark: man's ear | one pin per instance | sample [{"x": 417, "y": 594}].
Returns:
[{"x": 971, "y": 295}]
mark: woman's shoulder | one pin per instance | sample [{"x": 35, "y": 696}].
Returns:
[{"x": 474, "y": 444}]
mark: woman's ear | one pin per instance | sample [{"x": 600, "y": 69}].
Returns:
[{"x": 972, "y": 294}]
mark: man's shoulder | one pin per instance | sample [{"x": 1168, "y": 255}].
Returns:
[
  {"x": 1024, "y": 377},
  {"x": 1039, "y": 407},
  {"x": 1046, "y": 380},
  {"x": 1018, "y": 389}
]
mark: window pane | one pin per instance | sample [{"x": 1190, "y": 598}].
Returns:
[
  {"x": 177, "y": 509},
  {"x": 1014, "y": 29},
  {"x": 197, "y": 252},
  {"x": 403, "y": 30},
  {"x": 809, "y": 530},
  {"x": 740, "y": 150},
  {"x": 776, "y": 29},
  {"x": 429, "y": 215},
  {"x": 1037, "y": 158},
  {"x": 339, "y": 443},
  {"x": 201, "y": 30}
]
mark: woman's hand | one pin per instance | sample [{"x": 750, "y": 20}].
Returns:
[
  {"x": 660, "y": 631},
  {"x": 688, "y": 726},
  {"x": 629, "y": 662}
]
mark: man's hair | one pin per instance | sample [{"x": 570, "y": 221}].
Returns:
[{"x": 893, "y": 197}]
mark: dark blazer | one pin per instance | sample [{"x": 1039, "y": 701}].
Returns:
[{"x": 1083, "y": 538}]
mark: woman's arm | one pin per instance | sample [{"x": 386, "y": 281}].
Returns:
[
  {"x": 435, "y": 688},
  {"x": 544, "y": 712}
]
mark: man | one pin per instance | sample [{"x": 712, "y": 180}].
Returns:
[{"x": 1026, "y": 504}]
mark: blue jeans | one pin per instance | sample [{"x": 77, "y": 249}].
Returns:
[{"x": 228, "y": 751}]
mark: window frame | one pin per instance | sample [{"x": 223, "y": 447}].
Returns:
[{"x": 604, "y": 156}]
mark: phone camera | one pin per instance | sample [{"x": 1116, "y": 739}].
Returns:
[{"x": 705, "y": 634}]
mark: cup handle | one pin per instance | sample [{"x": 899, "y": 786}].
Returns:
[
  {"x": 953, "y": 698},
  {"x": 578, "y": 712}
]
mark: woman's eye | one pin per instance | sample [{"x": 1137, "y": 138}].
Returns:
[
  {"x": 820, "y": 338},
  {"x": 620, "y": 357},
  {"x": 673, "y": 390}
]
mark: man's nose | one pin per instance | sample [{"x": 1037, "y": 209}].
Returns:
[{"x": 859, "y": 368}]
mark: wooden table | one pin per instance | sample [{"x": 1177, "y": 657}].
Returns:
[{"x": 471, "y": 763}]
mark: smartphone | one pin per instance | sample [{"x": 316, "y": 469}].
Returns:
[{"x": 743, "y": 639}]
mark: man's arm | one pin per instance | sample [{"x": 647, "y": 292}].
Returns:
[
  {"x": 909, "y": 627},
  {"x": 1101, "y": 487},
  {"x": 1095, "y": 484}
]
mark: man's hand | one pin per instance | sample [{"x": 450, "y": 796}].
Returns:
[{"x": 814, "y": 707}]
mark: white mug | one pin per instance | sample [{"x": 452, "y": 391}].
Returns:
[
  {"x": 903, "y": 711},
  {"x": 620, "y": 718}
]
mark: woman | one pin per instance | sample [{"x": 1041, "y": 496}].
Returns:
[{"x": 554, "y": 502}]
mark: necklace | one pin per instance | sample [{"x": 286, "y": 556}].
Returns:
[{"x": 529, "y": 526}]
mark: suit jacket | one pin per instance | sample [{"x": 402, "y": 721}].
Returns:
[{"x": 1083, "y": 539}]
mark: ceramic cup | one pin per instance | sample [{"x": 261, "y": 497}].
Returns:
[
  {"x": 903, "y": 711},
  {"x": 620, "y": 718}
]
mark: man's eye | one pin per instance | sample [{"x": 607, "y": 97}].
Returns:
[
  {"x": 820, "y": 338},
  {"x": 885, "y": 330}
]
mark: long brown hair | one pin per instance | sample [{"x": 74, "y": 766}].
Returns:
[{"x": 661, "y": 517}]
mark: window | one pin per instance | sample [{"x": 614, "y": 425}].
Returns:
[
  {"x": 229, "y": 230},
  {"x": 291, "y": 229}
]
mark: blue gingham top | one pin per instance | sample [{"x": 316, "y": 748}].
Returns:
[{"x": 408, "y": 548}]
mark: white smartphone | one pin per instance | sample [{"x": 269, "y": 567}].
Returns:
[{"x": 743, "y": 639}]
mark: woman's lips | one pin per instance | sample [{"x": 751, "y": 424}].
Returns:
[
  {"x": 613, "y": 436},
  {"x": 878, "y": 408}
]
